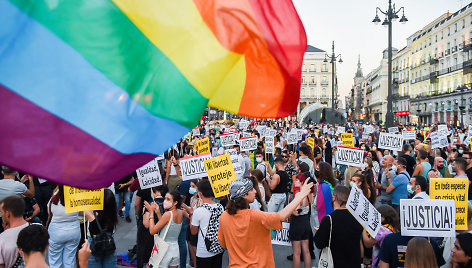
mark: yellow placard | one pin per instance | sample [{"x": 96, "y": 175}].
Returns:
[
  {"x": 347, "y": 140},
  {"x": 76, "y": 199},
  {"x": 311, "y": 142},
  {"x": 456, "y": 189},
  {"x": 220, "y": 173},
  {"x": 204, "y": 146},
  {"x": 471, "y": 143}
]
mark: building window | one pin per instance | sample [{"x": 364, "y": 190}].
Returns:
[
  {"x": 325, "y": 68},
  {"x": 304, "y": 68},
  {"x": 302, "y": 93},
  {"x": 449, "y": 105},
  {"x": 312, "y": 80},
  {"x": 323, "y": 92},
  {"x": 312, "y": 67},
  {"x": 303, "y": 79},
  {"x": 470, "y": 103},
  {"x": 463, "y": 23},
  {"x": 448, "y": 31},
  {"x": 436, "y": 107},
  {"x": 455, "y": 26}
]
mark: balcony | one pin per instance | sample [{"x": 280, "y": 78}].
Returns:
[
  {"x": 466, "y": 47},
  {"x": 447, "y": 52},
  {"x": 467, "y": 66},
  {"x": 324, "y": 83},
  {"x": 453, "y": 49},
  {"x": 433, "y": 60},
  {"x": 433, "y": 77}
]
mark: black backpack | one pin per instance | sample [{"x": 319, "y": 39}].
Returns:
[{"x": 103, "y": 243}]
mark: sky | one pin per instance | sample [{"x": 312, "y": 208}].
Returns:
[{"x": 349, "y": 24}]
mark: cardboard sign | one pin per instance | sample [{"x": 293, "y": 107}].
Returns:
[
  {"x": 364, "y": 212},
  {"x": 149, "y": 175},
  {"x": 238, "y": 168},
  {"x": 204, "y": 146},
  {"x": 340, "y": 130},
  {"x": 427, "y": 217},
  {"x": 280, "y": 237},
  {"x": 228, "y": 140},
  {"x": 438, "y": 141},
  {"x": 393, "y": 130},
  {"x": 456, "y": 189},
  {"x": 311, "y": 142},
  {"x": 196, "y": 132},
  {"x": 349, "y": 156},
  {"x": 409, "y": 135},
  {"x": 248, "y": 143},
  {"x": 193, "y": 167},
  {"x": 220, "y": 173},
  {"x": 269, "y": 145},
  {"x": 292, "y": 138},
  {"x": 368, "y": 129},
  {"x": 443, "y": 130},
  {"x": 390, "y": 141},
  {"x": 347, "y": 139},
  {"x": 76, "y": 199}
]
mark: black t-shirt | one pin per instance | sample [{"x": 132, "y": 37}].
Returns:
[
  {"x": 410, "y": 163},
  {"x": 281, "y": 188},
  {"x": 316, "y": 152},
  {"x": 29, "y": 203},
  {"x": 345, "y": 238},
  {"x": 393, "y": 250},
  {"x": 122, "y": 181},
  {"x": 145, "y": 195}
]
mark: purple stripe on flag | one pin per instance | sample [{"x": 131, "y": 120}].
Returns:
[{"x": 34, "y": 141}]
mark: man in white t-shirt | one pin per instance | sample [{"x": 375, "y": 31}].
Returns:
[
  {"x": 12, "y": 209},
  {"x": 200, "y": 223}
]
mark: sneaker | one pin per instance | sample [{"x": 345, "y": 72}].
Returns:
[
  {"x": 128, "y": 219},
  {"x": 120, "y": 213}
]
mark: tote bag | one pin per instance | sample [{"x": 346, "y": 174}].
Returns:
[
  {"x": 160, "y": 247},
  {"x": 326, "y": 259}
]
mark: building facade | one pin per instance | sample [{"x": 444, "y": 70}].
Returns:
[{"x": 316, "y": 79}]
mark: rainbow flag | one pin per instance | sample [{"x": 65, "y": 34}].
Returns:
[{"x": 90, "y": 90}]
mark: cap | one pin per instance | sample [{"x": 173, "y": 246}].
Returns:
[{"x": 239, "y": 188}]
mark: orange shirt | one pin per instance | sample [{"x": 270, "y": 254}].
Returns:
[{"x": 246, "y": 235}]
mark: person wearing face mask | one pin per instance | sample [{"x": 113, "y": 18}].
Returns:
[
  {"x": 419, "y": 187},
  {"x": 172, "y": 216},
  {"x": 278, "y": 185},
  {"x": 398, "y": 187},
  {"x": 260, "y": 163},
  {"x": 386, "y": 180}
]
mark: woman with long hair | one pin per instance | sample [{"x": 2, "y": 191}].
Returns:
[
  {"x": 462, "y": 251},
  {"x": 173, "y": 173},
  {"x": 174, "y": 216},
  {"x": 107, "y": 220},
  {"x": 262, "y": 185},
  {"x": 259, "y": 201},
  {"x": 420, "y": 254},
  {"x": 360, "y": 180},
  {"x": 324, "y": 191},
  {"x": 64, "y": 230}
]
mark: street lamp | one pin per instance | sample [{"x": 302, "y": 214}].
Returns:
[
  {"x": 333, "y": 58},
  {"x": 390, "y": 15},
  {"x": 462, "y": 107}
]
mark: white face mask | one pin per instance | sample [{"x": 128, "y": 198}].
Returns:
[
  {"x": 374, "y": 148},
  {"x": 410, "y": 189},
  {"x": 167, "y": 204},
  {"x": 259, "y": 159},
  {"x": 363, "y": 147},
  {"x": 352, "y": 184},
  {"x": 460, "y": 151}
]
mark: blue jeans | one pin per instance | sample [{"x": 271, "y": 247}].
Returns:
[
  {"x": 127, "y": 201},
  {"x": 276, "y": 202},
  {"x": 102, "y": 262},
  {"x": 183, "y": 242},
  {"x": 63, "y": 241}
]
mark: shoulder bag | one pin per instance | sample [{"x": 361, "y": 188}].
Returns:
[
  {"x": 326, "y": 259},
  {"x": 160, "y": 247}
]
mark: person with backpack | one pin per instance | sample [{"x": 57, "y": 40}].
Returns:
[
  {"x": 101, "y": 227},
  {"x": 205, "y": 222}
]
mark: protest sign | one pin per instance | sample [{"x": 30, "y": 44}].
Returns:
[
  {"x": 76, "y": 199},
  {"x": 280, "y": 236},
  {"x": 347, "y": 139},
  {"x": 243, "y": 124},
  {"x": 350, "y": 156},
  {"x": 269, "y": 145},
  {"x": 368, "y": 129},
  {"x": 365, "y": 136},
  {"x": 390, "y": 141},
  {"x": 456, "y": 189},
  {"x": 248, "y": 143},
  {"x": 196, "y": 131},
  {"x": 438, "y": 141},
  {"x": 393, "y": 130},
  {"x": 340, "y": 130},
  {"x": 204, "y": 146},
  {"x": 409, "y": 135},
  {"x": 192, "y": 167},
  {"x": 311, "y": 142},
  {"x": 246, "y": 134},
  {"x": 238, "y": 168},
  {"x": 260, "y": 130},
  {"x": 149, "y": 175},
  {"x": 228, "y": 139},
  {"x": 364, "y": 212},
  {"x": 469, "y": 131},
  {"x": 299, "y": 134},
  {"x": 427, "y": 217},
  {"x": 270, "y": 132},
  {"x": 220, "y": 173},
  {"x": 443, "y": 130},
  {"x": 292, "y": 138}
]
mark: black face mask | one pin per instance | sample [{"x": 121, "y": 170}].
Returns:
[{"x": 317, "y": 173}]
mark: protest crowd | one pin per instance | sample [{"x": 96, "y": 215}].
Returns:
[{"x": 357, "y": 195}]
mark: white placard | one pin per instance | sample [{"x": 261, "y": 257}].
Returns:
[
  {"x": 269, "y": 145},
  {"x": 196, "y": 132},
  {"x": 299, "y": 134},
  {"x": 428, "y": 217},
  {"x": 270, "y": 132},
  {"x": 340, "y": 130},
  {"x": 292, "y": 138},
  {"x": 364, "y": 212},
  {"x": 390, "y": 141},
  {"x": 368, "y": 129},
  {"x": 248, "y": 144},
  {"x": 149, "y": 175},
  {"x": 365, "y": 136},
  {"x": 238, "y": 168},
  {"x": 443, "y": 130},
  {"x": 349, "y": 156},
  {"x": 438, "y": 140},
  {"x": 325, "y": 129},
  {"x": 243, "y": 124},
  {"x": 246, "y": 134},
  {"x": 409, "y": 135},
  {"x": 228, "y": 139},
  {"x": 260, "y": 130},
  {"x": 193, "y": 167},
  {"x": 393, "y": 130},
  {"x": 280, "y": 236},
  {"x": 469, "y": 131}
]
